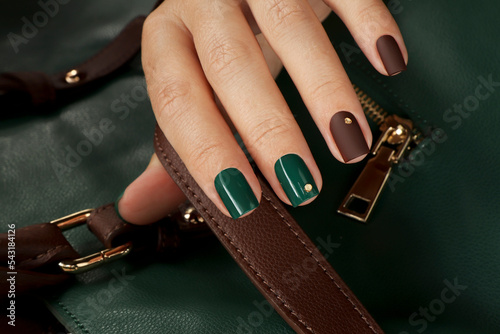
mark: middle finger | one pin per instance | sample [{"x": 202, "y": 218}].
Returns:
[{"x": 297, "y": 36}]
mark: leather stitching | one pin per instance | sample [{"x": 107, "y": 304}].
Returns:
[
  {"x": 319, "y": 264},
  {"x": 117, "y": 227},
  {"x": 43, "y": 254},
  {"x": 74, "y": 317},
  {"x": 257, "y": 273},
  {"x": 90, "y": 221}
]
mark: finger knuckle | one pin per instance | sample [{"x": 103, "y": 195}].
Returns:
[
  {"x": 159, "y": 26},
  {"x": 373, "y": 17},
  {"x": 226, "y": 57},
  {"x": 172, "y": 99},
  {"x": 203, "y": 154},
  {"x": 324, "y": 89},
  {"x": 268, "y": 131},
  {"x": 283, "y": 14},
  {"x": 157, "y": 19},
  {"x": 150, "y": 30},
  {"x": 149, "y": 24}
]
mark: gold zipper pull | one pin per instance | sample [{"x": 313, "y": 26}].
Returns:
[{"x": 387, "y": 151}]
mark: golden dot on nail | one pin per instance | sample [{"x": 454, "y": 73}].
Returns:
[
  {"x": 347, "y": 120},
  {"x": 308, "y": 187}
]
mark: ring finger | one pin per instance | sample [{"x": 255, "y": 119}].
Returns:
[{"x": 236, "y": 69}]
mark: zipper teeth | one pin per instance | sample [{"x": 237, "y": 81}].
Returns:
[
  {"x": 371, "y": 108},
  {"x": 377, "y": 114}
]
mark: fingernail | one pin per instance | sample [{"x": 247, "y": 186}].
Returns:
[
  {"x": 235, "y": 192},
  {"x": 348, "y": 136},
  {"x": 391, "y": 55},
  {"x": 116, "y": 206},
  {"x": 295, "y": 179}
]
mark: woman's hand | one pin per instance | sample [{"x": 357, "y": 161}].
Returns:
[{"x": 199, "y": 52}]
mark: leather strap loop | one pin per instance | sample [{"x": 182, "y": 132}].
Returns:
[
  {"x": 163, "y": 237},
  {"x": 107, "y": 226},
  {"x": 268, "y": 244}
]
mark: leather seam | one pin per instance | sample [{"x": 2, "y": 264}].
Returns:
[
  {"x": 257, "y": 273},
  {"x": 42, "y": 254},
  {"x": 90, "y": 220},
  {"x": 319, "y": 263},
  {"x": 73, "y": 317},
  {"x": 117, "y": 227}
]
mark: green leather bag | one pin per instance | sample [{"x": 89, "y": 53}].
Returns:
[{"x": 428, "y": 260}]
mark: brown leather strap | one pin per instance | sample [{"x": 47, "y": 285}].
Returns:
[
  {"x": 28, "y": 91},
  {"x": 164, "y": 237},
  {"x": 39, "y": 248},
  {"x": 36, "y": 249},
  {"x": 268, "y": 245},
  {"x": 46, "y": 244},
  {"x": 111, "y": 58},
  {"x": 110, "y": 229}
]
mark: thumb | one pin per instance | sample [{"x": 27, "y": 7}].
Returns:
[{"x": 151, "y": 197}]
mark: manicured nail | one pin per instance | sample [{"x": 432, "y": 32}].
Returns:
[
  {"x": 235, "y": 192},
  {"x": 295, "y": 179},
  {"x": 116, "y": 206},
  {"x": 391, "y": 55},
  {"x": 348, "y": 136}
]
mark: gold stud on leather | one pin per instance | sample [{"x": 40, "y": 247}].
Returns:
[
  {"x": 347, "y": 120},
  {"x": 72, "y": 77},
  {"x": 192, "y": 216},
  {"x": 308, "y": 187}
]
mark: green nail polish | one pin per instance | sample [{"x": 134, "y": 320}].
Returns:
[
  {"x": 295, "y": 179},
  {"x": 235, "y": 192}
]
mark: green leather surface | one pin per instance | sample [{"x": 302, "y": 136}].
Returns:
[{"x": 439, "y": 224}]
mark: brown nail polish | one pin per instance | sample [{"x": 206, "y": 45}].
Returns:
[
  {"x": 391, "y": 55},
  {"x": 348, "y": 136}
]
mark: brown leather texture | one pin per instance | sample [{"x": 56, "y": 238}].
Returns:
[
  {"x": 268, "y": 245},
  {"x": 38, "y": 250},
  {"x": 108, "y": 227},
  {"x": 164, "y": 237},
  {"x": 35, "y": 91},
  {"x": 30, "y": 91},
  {"x": 111, "y": 58}
]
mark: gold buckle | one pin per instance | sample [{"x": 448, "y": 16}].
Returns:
[{"x": 92, "y": 261}]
